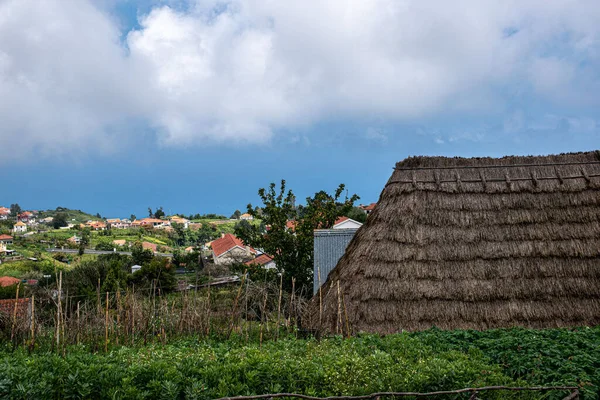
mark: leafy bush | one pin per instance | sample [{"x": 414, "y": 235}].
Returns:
[
  {"x": 540, "y": 357},
  {"x": 10, "y": 292}
]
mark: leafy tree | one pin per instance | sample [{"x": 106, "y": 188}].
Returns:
[
  {"x": 132, "y": 217},
  {"x": 190, "y": 261},
  {"x": 140, "y": 255},
  {"x": 159, "y": 213},
  {"x": 292, "y": 249},
  {"x": 357, "y": 214},
  {"x": 15, "y": 210},
  {"x": 236, "y": 215},
  {"x": 98, "y": 216},
  {"x": 86, "y": 233},
  {"x": 111, "y": 270},
  {"x": 60, "y": 220},
  {"x": 206, "y": 233},
  {"x": 179, "y": 234},
  {"x": 105, "y": 245},
  {"x": 158, "y": 273},
  {"x": 243, "y": 226}
]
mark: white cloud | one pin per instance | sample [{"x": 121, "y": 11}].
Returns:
[{"x": 238, "y": 71}]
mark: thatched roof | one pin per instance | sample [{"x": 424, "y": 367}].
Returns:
[{"x": 473, "y": 243}]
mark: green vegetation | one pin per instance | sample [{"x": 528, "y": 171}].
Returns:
[
  {"x": 539, "y": 357},
  {"x": 71, "y": 216},
  {"x": 192, "y": 369},
  {"x": 292, "y": 248}
]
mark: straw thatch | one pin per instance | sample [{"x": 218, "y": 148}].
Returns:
[{"x": 473, "y": 243}]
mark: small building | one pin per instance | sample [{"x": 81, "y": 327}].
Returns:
[
  {"x": 118, "y": 223},
  {"x": 20, "y": 227},
  {"x": 229, "y": 250},
  {"x": 6, "y": 240},
  {"x": 135, "y": 268},
  {"x": 176, "y": 219},
  {"x": 120, "y": 242},
  {"x": 4, "y": 213},
  {"x": 368, "y": 209},
  {"x": 151, "y": 222},
  {"x": 74, "y": 239},
  {"x": 263, "y": 260},
  {"x": 26, "y": 217},
  {"x": 346, "y": 223},
  {"x": 96, "y": 225},
  {"x": 246, "y": 217}
]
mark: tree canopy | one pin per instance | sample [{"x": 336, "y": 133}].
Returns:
[{"x": 287, "y": 233}]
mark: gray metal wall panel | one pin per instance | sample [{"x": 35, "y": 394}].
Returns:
[{"x": 329, "y": 247}]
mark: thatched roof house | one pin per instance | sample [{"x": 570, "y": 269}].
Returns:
[{"x": 473, "y": 243}]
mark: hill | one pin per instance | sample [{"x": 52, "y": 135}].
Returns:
[{"x": 73, "y": 216}]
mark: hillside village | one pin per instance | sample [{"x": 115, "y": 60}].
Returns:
[{"x": 31, "y": 236}]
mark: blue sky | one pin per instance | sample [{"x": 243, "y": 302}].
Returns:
[{"x": 114, "y": 106}]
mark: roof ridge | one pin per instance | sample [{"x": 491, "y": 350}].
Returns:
[{"x": 550, "y": 164}]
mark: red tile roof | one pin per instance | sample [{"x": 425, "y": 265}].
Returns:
[
  {"x": 6, "y": 237},
  {"x": 263, "y": 259},
  {"x": 340, "y": 220},
  {"x": 370, "y": 207},
  {"x": 151, "y": 221},
  {"x": 226, "y": 243},
  {"x": 8, "y": 281}
]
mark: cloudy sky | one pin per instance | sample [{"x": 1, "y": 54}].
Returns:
[{"x": 112, "y": 106}]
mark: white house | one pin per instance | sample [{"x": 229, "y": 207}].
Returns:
[
  {"x": 346, "y": 223},
  {"x": 20, "y": 227},
  {"x": 180, "y": 221}
]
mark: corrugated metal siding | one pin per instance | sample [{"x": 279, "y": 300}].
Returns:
[{"x": 329, "y": 247}]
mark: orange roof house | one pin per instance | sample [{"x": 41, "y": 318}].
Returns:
[
  {"x": 230, "y": 249},
  {"x": 263, "y": 260},
  {"x": 6, "y": 239},
  {"x": 368, "y": 208},
  {"x": 96, "y": 225}
]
